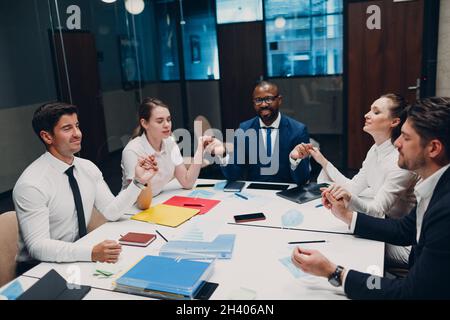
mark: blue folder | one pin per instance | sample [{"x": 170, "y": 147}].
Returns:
[
  {"x": 165, "y": 277},
  {"x": 220, "y": 248}
]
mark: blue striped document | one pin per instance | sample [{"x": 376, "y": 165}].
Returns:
[
  {"x": 221, "y": 248},
  {"x": 165, "y": 277}
]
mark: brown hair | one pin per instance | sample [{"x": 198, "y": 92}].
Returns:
[
  {"x": 145, "y": 112},
  {"x": 430, "y": 117},
  {"x": 47, "y": 116},
  {"x": 397, "y": 110}
]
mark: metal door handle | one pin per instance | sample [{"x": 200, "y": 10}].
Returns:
[{"x": 417, "y": 88}]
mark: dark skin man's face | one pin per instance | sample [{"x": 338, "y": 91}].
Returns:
[{"x": 266, "y": 102}]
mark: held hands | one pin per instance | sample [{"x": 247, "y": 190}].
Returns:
[
  {"x": 338, "y": 206},
  {"x": 213, "y": 146},
  {"x": 106, "y": 251},
  {"x": 302, "y": 150},
  {"x": 312, "y": 262},
  {"x": 146, "y": 168}
]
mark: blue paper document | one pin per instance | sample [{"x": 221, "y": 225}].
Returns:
[{"x": 220, "y": 248}]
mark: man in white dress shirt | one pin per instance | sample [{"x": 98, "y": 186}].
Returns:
[{"x": 55, "y": 195}]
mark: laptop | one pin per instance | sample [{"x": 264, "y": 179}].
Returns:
[{"x": 304, "y": 193}]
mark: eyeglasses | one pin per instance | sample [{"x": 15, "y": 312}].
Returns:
[{"x": 268, "y": 100}]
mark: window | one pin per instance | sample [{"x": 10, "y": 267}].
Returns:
[
  {"x": 201, "y": 56},
  {"x": 304, "y": 37},
  {"x": 166, "y": 15},
  {"x": 232, "y": 11}
]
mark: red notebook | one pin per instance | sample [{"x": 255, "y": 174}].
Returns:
[
  {"x": 137, "y": 239},
  {"x": 204, "y": 205}
]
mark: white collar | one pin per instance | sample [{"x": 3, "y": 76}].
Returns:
[
  {"x": 59, "y": 165},
  {"x": 385, "y": 148},
  {"x": 426, "y": 187},
  {"x": 149, "y": 150},
  {"x": 275, "y": 124}
]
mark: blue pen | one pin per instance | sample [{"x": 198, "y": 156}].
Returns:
[
  {"x": 241, "y": 196},
  {"x": 319, "y": 205}
]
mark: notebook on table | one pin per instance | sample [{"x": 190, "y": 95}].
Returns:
[
  {"x": 303, "y": 194},
  {"x": 165, "y": 215},
  {"x": 166, "y": 278},
  {"x": 137, "y": 239}
]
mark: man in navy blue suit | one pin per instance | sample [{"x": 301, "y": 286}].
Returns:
[
  {"x": 265, "y": 147},
  {"x": 424, "y": 147}
]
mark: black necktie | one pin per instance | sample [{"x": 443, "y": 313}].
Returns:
[{"x": 78, "y": 203}]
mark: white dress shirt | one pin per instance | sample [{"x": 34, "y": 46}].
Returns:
[
  {"x": 424, "y": 191},
  {"x": 274, "y": 132},
  {"x": 168, "y": 159},
  {"x": 46, "y": 211},
  {"x": 380, "y": 187}
]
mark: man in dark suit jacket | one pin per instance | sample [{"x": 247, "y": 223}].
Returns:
[
  {"x": 265, "y": 146},
  {"x": 424, "y": 147}
]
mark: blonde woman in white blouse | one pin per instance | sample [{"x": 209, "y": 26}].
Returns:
[
  {"x": 380, "y": 188},
  {"x": 153, "y": 139}
]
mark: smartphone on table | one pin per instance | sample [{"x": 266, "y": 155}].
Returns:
[{"x": 249, "y": 217}]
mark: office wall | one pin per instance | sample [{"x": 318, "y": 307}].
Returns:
[
  {"x": 204, "y": 99},
  {"x": 443, "y": 67},
  {"x": 26, "y": 74},
  {"x": 315, "y": 101},
  {"x": 18, "y": 144}
]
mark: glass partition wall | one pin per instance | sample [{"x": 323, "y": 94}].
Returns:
[{"x": 106, "y": 55}]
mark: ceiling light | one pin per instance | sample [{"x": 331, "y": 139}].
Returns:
[{"x": 134, "y": 6}]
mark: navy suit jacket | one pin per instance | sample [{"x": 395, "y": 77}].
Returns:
[
  {"x": 291, "y": 133},
  {"x": 429, "y": 273}
]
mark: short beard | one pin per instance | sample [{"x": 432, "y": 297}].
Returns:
[{"x": 417, "y": 163}]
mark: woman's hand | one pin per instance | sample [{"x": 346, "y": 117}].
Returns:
[{"x": 146, "y": 168}]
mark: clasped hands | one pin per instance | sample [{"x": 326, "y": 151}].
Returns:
[
  {"x": 303, "y": 150},
  {"x": 145, "y": 169}
]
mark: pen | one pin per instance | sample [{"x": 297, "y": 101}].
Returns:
[
  {"x": 241, "y": 196},
  {"x": 161, "y": 235},
  {"x": 193, "y": 205},
  {"x": 319, "y": 205},
  {"x": 302, "y": 242}
]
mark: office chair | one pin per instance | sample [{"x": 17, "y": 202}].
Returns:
[{"x": 9, "y": 237}]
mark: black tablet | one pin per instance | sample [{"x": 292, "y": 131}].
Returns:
[
  {"x": 303, "y": 194},
  {"x": 268, "y": 186}
]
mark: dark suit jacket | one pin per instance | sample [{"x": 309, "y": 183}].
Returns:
[
  {"x": 291, "y": 133},
  {"x": 429, "y": 274}
]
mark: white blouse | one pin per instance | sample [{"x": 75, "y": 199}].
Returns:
[
  {"x": 168, "y": 159},
  {"x": 380, "y": 187}
]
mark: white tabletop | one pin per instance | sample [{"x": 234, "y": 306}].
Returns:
[{"x": 255, "y": 265}]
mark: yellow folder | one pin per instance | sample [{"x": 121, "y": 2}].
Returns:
[{"x": 166, "y": 215}]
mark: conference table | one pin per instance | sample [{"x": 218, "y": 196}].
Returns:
[{"x": 260, "y": 266}]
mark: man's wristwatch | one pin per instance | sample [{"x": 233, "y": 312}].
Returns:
[
  {"x": 138, "y": 184},
  {"x": 335, "y": 277}
]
